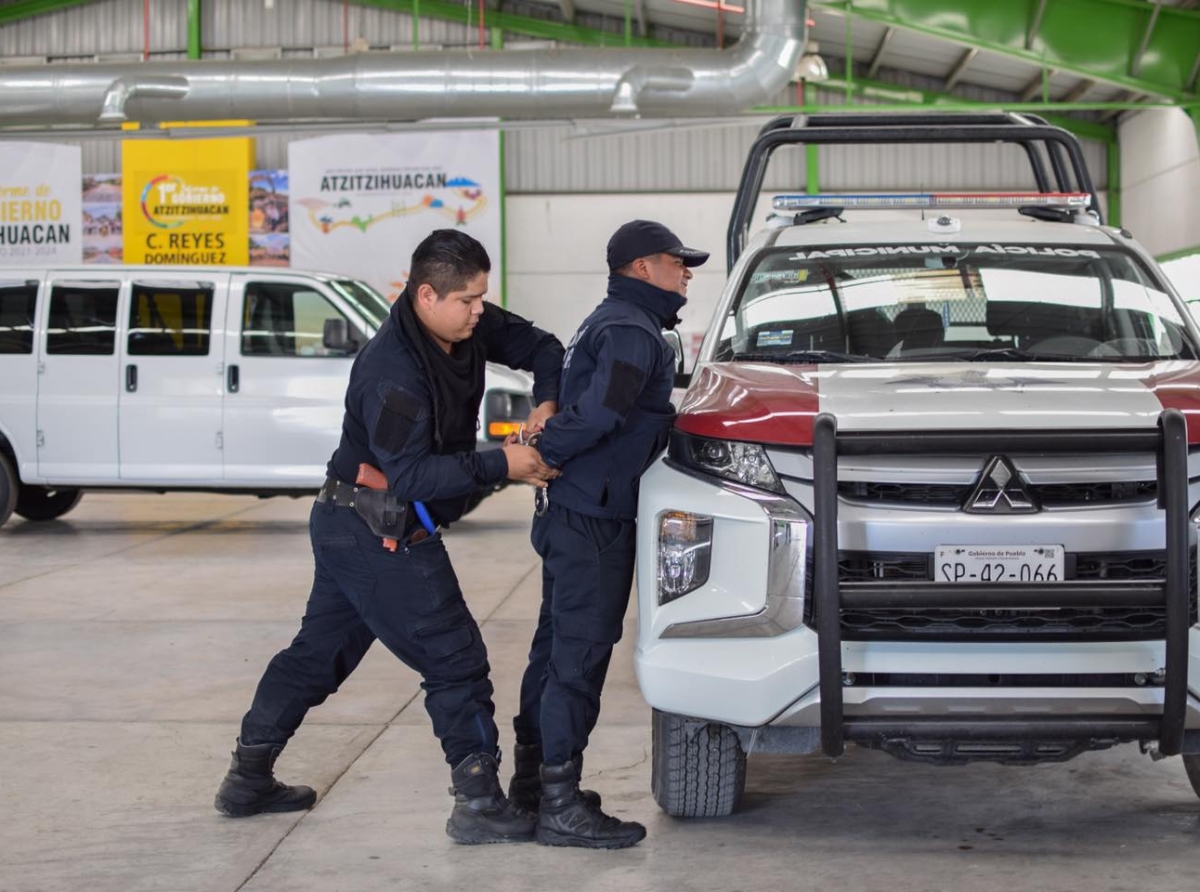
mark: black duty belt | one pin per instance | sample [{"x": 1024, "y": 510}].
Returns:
[{"x": 384, "y": 514}]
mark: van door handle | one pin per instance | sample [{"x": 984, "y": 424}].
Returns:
[
  {"x": 231, "y": 380},
  {"x": 131, "y": 378}
]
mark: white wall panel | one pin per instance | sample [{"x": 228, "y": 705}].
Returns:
[
  {"x": 1160, "y": 175},
  {"x": 556, "y": 269}
]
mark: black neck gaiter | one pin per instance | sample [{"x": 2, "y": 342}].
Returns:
[{"x": 456, "y": 379}]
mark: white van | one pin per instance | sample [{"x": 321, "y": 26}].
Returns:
[{"x": 223, "y": 379}]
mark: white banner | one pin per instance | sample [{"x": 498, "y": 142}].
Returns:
[
  {"x": 41, "y": 220},
  {"x": 360, "y": 204}
]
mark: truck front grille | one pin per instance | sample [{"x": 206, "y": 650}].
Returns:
[
  {"x": 1048, "y": 495},
  {"x": 1043, "y": 624}
]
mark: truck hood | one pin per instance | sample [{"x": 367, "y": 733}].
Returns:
[{"x": 767, "y": 403}]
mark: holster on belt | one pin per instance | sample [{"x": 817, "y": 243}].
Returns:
[{"x": 383, "y": 512}]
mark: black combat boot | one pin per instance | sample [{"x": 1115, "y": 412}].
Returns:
[
  {"x": 250, "y": 787},
  {"x": 525, "y": 786},
  {"x": 481, "y": 813},
  {"x": 564, "y": 819}
]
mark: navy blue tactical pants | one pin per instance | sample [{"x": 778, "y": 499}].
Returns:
[
  {"x": 410, "y": 600},
  {"x": 587, "y": 573}
]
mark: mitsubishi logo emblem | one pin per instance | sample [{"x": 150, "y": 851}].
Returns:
[{"x": 1000, "y": 491}]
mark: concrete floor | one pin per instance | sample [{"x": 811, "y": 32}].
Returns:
[{"x": 133, "y": 632}]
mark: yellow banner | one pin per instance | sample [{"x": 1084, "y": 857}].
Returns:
[{"x": 187, "y": 201}]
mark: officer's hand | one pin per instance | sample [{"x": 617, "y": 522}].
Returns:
[
  {"x": 536, "y": 421},
  {"x": 525, "y": 465}
]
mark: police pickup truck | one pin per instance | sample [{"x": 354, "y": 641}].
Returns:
[
  {"x": 932, "y": 488},
  {"x": 163, "y": 379}
]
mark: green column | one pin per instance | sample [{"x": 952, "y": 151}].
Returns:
[{"x": 194, "y": 49}]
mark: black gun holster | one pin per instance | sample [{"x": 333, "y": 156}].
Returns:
[{"x": 384, "y": 514}]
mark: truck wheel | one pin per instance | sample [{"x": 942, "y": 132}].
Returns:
[
  {"x": 8, "y": 489},
  {"x": 1191, "y": 764},
  {"x": 695, "y": 773},
  {"x": 45, "y": 503}
]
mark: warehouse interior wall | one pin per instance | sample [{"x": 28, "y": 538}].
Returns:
[
  {"x": 556, "y": 270},
  {"x": 1160, "y": 176}
]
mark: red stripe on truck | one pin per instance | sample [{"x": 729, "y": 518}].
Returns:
[
  {"x": 1178, "y": 387},
  {"x": 754, "y": 403}
]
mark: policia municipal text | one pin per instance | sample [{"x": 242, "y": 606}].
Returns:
[{"x": 411, "y": 409}]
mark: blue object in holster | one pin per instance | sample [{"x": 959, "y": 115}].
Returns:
[{"x": 423, "y": 516}]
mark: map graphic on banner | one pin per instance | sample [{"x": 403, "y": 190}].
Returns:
[
  {"x": 365, "y": 218},
  {"x": 41, "y": 221}
]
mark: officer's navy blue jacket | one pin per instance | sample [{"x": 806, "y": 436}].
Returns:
[
  {"x": 389, "y": 410},
  {"x": 614, "y": 403}
]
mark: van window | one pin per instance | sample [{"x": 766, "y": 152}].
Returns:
[
  {"x": 281, "y": 319},
  {"x": 17, "y": 300},
  {"x": 170, "y": 319},
  {"x": 83, "y": 319}
]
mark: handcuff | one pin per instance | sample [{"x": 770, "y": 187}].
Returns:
[{"x": 539, "y": 492}]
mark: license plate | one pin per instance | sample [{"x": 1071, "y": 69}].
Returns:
[{"x": 998, "y": 563}]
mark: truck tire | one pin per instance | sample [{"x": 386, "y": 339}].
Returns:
[
  {"x": 8, "y": 489},
  {"x": 1191, "y": 764},
  {"x": 695, "y": 773},
  {"x": 45, "y": 503}
]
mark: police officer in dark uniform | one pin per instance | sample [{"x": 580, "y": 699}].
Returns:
[
  {"x": 411, "y": 410},
  {"x": 614, "y": 416}
]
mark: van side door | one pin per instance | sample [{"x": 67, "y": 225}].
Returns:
[
  {"x": 170, "y": 396},
  {"x": 18, "y": 367},
  {"x": 80, "y": 377},
  {"x": 284, "y": 389}
]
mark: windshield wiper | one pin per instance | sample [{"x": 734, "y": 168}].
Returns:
[
  {"x": 804, "y": 356},
  {"x": 999, "y": 354}
]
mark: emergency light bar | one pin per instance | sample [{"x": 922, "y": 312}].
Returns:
[{"x": 1080, "y": 200}]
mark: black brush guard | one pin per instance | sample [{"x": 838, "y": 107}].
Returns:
[
  {"x": 1168, "y": 443},
  {"x": 1042, "y": 143}
]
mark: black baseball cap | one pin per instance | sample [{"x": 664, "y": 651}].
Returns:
[{"x": 641, "y": 238}]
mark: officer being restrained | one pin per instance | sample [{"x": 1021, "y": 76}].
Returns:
[{"x": 411, "y": 409}]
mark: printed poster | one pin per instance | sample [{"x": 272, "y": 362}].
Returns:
[
  {"x": 103, "y": 239},
  {"x": 361, "y": 203},
  {"x": 186, "y": 201},
  {"x": 270, "y": 244},
  {"x": 40, "y": 215}
]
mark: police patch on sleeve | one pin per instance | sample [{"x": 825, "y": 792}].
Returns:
[
  {"x": 396, "y": 421},
  {"x": 624, "y": 385}
]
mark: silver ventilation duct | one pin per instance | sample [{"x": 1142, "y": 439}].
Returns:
[{"x": 518, "y": 84}]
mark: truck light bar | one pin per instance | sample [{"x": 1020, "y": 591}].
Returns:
[{"x": 1080, "y": 200}]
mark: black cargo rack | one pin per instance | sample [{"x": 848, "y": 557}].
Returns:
[
  {"x": 1042, "y": 143},
  {"x": 1168, "y": 443}
]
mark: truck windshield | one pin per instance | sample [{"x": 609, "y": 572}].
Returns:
[
  {"x": 952, "y": 302},
  {"x": 370, "y": 304}
]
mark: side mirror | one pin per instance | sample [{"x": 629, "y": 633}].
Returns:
[
  {"x": 682, "y": 378},
  {"x": 336, "y": 336}
]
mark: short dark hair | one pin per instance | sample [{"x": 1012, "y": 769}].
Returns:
[{"x": 446, "y": 260}]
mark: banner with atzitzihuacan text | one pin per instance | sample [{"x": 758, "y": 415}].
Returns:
[
  {"x": 40, "y": 204},
  {"x": 359, "y": 204}
]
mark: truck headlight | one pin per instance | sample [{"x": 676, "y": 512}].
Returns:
[
  {"x": 684, "y": 553},
  {"x": 742, "y": 462}
]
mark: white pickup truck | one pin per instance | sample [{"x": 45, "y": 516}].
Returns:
[
  {"x": 221, "y": 379},
  {"x": 933, "y": 488}
]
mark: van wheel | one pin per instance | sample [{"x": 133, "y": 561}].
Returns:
[
  {"x": 8, "y": 489},
  {"x": 1191, "y": 764},
  {"x": 698, "y": 770},
  {"x": 46, "y": 503}
]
